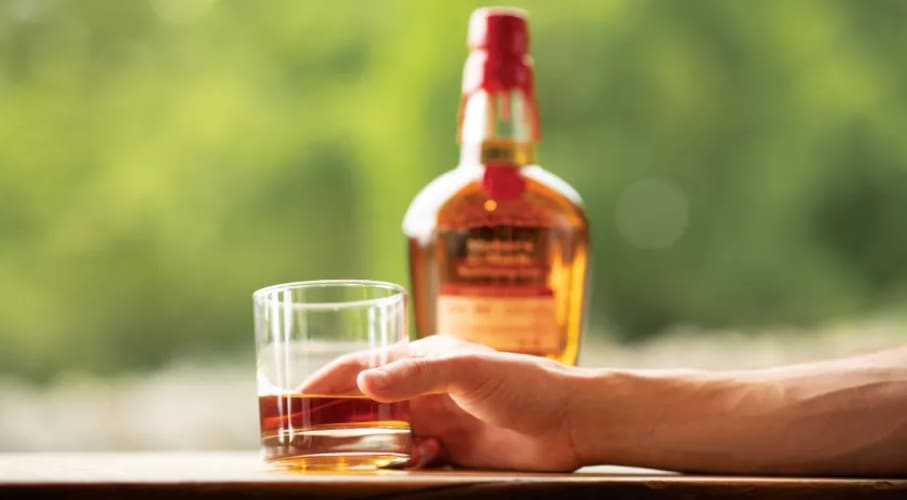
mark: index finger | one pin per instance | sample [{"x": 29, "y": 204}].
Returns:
[{"x": 339, "y": 375}]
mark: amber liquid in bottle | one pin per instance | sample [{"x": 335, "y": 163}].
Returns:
[{"x": 498, "y": 247}]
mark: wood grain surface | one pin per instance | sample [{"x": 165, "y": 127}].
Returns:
[{"x": 242, "y": 475}]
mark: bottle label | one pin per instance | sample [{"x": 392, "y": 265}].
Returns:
[
  {"x": 523, "y": 320},
  {"x": 495, "y": 291}
]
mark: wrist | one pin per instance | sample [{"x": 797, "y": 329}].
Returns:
[
  {"x": 604, "y": 419},
  {"x": 629, "y": 417}
]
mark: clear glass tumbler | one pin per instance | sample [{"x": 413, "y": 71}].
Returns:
[{"x": 312, "y": 340}]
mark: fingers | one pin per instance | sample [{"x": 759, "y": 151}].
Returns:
[
  {"x": 339, "y": 376},
  {"x": 426, "y": 452},
  {"x": 458, "y": 374},
  {"x": 336, "y": 377}
]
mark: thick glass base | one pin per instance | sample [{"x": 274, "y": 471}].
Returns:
[
  {"x": 341, "y": 462},
  {"x": 348, "y": 448}
]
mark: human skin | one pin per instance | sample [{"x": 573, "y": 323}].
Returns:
[{"x": 474, "y": 407}]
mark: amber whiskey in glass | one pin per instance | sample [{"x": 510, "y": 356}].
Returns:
[
  {"x": 498, "y": 246},
  {"x": 304, "y": 431}
]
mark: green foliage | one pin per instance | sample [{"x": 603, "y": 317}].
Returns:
[{"x": 160, "y": 160}]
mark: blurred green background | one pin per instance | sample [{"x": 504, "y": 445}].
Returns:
[{"x": 742, "y": 163}]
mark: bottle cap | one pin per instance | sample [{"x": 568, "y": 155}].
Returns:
[
  {"x": 499, "y": 30},
  {"x": 498, "y": 70}
]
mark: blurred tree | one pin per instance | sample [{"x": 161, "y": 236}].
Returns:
[{"x": 742, "y": 163}]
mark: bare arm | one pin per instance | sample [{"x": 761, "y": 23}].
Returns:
[
  {"x": 474, "y": 407},
  {"x": 842, "y": 417}
]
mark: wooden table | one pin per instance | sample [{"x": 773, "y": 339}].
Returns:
[{"x": 240, "y": 475}]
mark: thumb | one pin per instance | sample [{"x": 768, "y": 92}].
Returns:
[{"x": 460, "y": 375}]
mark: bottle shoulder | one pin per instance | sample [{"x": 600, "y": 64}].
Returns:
[
  {"x": 423, "y": 210},
  {"x": 553, "y": 182},
  {"x": 458, "y": 200}
]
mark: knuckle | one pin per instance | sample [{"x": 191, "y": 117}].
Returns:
[
  {"x": 483, "y": 389},
  {"x": 416, "y": 368},
  {"x": 477, "y": 382}
]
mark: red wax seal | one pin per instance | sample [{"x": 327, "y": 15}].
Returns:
[
  {"x": 499, "y": 30},
  {"x": 503, "y": 182},
  {"x": 498, "y": 52}
]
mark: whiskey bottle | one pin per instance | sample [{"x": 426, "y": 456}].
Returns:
[{"x": 498, "y": 246}]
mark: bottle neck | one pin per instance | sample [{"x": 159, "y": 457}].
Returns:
[{"x": 498, "y": 114}]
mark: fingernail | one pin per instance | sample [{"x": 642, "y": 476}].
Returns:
[{"x": 379, "y": 378}]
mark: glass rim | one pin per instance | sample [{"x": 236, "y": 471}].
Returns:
[{"x": 261, "y": 296}]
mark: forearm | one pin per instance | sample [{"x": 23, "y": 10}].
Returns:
[{"x": 845, "y": 417}]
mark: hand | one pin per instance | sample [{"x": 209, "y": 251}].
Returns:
[{"x": 470, "y": 405}]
